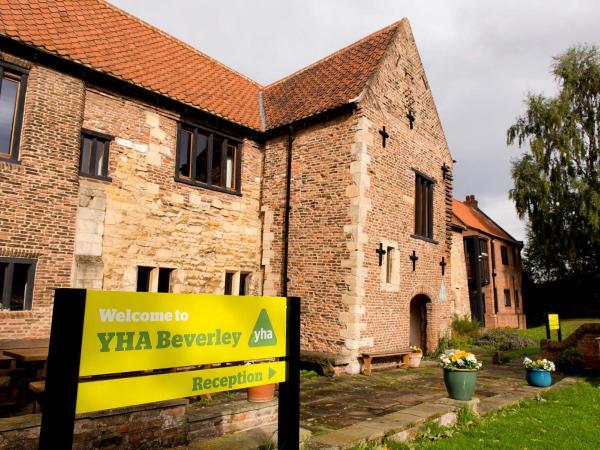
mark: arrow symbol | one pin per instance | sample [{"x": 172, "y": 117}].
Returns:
[{"x": 271, "y": 373}]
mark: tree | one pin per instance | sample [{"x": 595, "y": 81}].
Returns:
[{"x": 556, "y": 182}]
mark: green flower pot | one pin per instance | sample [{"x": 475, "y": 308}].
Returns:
[{"x": 460, "y": 383}]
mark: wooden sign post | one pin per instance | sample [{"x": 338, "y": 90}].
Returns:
[{"x": 104, "y": 333}]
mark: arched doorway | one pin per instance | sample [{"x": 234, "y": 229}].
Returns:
[{"x": 418, "y": 321}]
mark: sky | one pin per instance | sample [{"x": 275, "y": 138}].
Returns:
[{"x": 481, "y": 59}]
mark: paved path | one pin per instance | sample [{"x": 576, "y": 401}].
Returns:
[
  {"x": 332, "y": 403},
  {"x": 344, "y": 411}
]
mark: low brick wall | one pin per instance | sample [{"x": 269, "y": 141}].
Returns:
[
  {"x": 584, "y": 339},
  {"x": 215, "y": 421},
  {"x": 151, "y": 426}
]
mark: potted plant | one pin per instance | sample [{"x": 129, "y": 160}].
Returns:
[
  {"x": 264, "y": 392},
  {"x": 414, "y": 359},
  {"x": 460, "y": 373},
  {"x": 538, "y": 372}
]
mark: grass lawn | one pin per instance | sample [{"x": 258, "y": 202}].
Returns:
[
  {"x": 565, "y": 418},
  {"x": 568, "y": 326}
]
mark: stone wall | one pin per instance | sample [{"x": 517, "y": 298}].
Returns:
[
  {"x": 39, "y": 194},
  {"x": 400, "y": 86},
  {"x": 143, "y": 217}
]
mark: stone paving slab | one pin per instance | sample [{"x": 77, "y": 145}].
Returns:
[{"x": 245, "y": 440}]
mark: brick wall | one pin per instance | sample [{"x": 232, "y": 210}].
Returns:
[
  {"x": 348, "y": 195},
  {"x": 586, "y": 339},
  {"x": 39, "y": 195},
  {"x": 507, "y": 277},
  {"x": 399, "y": 86},
  {"x": 318, "y": 241}
]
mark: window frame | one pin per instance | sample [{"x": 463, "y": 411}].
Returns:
[
  {"x": 226, "y": 140},
  {"x": 423, "y": 209},
  {"x": 17, "y": 127},
  {"x": 504, "y": 255},
  {"x": 507, "y": 299},
  {"x": 389, "y": 264},
  {"x": 6, "y": 288},
  {"x": 97, "y": 139}
]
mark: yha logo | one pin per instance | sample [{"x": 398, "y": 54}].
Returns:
[{"x": 262, "y": 334}]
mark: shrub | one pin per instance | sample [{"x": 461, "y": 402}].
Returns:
[
  {"x": 570, "y": 360},
  {"x": 464, "y": 327},
  {"x": 505, "y": 339}
]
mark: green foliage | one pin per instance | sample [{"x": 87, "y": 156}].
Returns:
[
  {"x": 464, "y": 331},
  {"x": 465, "y": 326},
  {"x": 557, "y": 182},
  {"x": 433, "y": 431},
  {"x": 564, "y": 418},
  {"x": 570, "y": 360},
  {"x": 466, "y": 417},
  {"x": 504, "y": 339}
]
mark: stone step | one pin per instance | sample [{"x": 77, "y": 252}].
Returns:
[{"x": 253, "y": 439}]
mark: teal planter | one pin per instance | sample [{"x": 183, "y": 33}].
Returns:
[
  {"x": 460, "y": 383},
  {"x": 539, "y": 378}
]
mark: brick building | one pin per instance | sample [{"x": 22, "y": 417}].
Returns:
[
  {"x": 491, "y": 287},
  {"x": 131, "y": 161}
]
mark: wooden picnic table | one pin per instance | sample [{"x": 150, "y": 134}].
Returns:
[{"x": 28, "y": 354}]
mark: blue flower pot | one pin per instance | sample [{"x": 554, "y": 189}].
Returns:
[{"x": 539, "y": 378}]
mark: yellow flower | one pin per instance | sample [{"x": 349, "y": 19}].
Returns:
[{"x": 459, "y": 355}]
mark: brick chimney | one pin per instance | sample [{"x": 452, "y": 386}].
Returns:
[{"x": 470, "y": 201}]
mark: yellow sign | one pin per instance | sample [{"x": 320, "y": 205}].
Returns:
[
  {"x": 121, "y": 392},
  {"x": 553, "y": 321},
  {"x": 130, "y": 331}
]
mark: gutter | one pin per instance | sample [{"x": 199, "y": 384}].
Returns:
[{"x": 288, "y": 208}]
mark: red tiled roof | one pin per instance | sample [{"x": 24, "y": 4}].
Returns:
[
  {"x": 475, "y": 218},
  {"x": 329, "y": 83},
  {"x": 105, "y": 38}
]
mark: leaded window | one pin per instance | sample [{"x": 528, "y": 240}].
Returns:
[{"x": 208, "y": 159}]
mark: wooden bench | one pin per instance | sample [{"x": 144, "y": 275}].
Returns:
[{"x": 369, "y": 357}]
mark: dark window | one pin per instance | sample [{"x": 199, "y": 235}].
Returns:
[
  {"x": 244, "y": 283},
  {"x": 208, "y": 159},
  {"x": 506, "y": 297},
  {"x": 16, "y": 283},
  {"x": 228, "y": 283},
  {"x": 423, "y": 207},
  {"x": 143, "y": 278},
  {"x": 468, "y": 261},
  {"x": 164, "y": 279},
  {"x": 504, "y": 255},
  {"x": 493, "y": 252},
  {"x": 154, "y": 279},
  {"x": 516, "y": 298},
  {"x": 13, "y": 82},
  {"x": 495, "y": 301},
  {"x": 93, "y": 161},
  {"x": 389, "y": 266}
]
